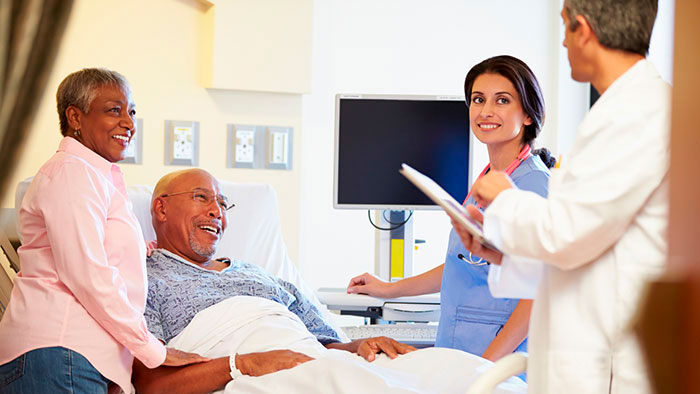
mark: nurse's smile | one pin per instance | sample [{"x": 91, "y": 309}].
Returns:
[{"x": 488, "y": 126}]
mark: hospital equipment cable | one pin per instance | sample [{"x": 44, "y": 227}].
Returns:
[{"x": 395, "y": 225}]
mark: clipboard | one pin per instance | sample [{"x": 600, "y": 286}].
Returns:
[{"x": 456, "y": 211}]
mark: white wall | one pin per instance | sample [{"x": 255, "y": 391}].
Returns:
[
  {"x": 661, "y": 47},
  {"x": 159, "y": 46},
  {"x": 418, "y": 47},
  {"x": 400, "y": 47}
]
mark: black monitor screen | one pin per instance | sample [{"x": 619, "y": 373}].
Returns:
[{"x": 375, "y": 134}]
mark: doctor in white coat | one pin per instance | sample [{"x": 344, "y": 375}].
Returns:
[{"x": 601, "y": 232}]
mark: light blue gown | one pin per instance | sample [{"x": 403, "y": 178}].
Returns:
[{"x": 470, "y": 317}]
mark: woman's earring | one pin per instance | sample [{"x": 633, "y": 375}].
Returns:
[{"x": 76, "y": 133}]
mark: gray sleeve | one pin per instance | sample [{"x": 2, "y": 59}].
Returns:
[
  {"x": 310, "y": 315},
  {"x": 152, "y": 310}
]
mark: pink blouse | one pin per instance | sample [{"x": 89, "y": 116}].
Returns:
[{"x": 83, "y": 279}]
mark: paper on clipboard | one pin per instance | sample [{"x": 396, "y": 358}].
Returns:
[{"x": 444, "y": 200}]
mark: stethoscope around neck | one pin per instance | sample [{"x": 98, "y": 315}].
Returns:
[
  {"x": 522, "y": 156},
  {"x": 471, "y": 261}
]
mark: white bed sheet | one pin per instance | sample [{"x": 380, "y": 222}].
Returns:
[{"x": 246, "y": 324}]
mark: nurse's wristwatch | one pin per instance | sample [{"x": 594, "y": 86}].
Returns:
[{"x": 235, "y": 372}]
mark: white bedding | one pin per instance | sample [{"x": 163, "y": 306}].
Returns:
[{"x": 250, "y": 324}]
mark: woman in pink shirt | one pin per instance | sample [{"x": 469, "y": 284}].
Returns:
[{"x": 75, "y": 321}]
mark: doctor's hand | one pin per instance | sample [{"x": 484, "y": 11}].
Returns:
[
  {"x": 486, "y": 188},
  {"x": 371, "y": 285},
  {"x": 177, "y": 358},
  {"x": 369, "y": 348},
  {"x": 262, "y": 363},
  {"x": 471, "y": 243}
]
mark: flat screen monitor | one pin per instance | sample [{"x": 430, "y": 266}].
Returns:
[{"x": 374, "y": 134}]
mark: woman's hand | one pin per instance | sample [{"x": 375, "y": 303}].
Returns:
[
  {"x": 177, "y": 358},
  {"x": 471, "y": 243},
  {"x": 370, "y": 285},
  {"x": 150, "y": 246}
]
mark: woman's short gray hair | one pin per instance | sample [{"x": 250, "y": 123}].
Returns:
[{"x": 80, "y": 88}]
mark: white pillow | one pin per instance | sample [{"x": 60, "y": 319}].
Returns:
[{"x": 254, "y": 232}]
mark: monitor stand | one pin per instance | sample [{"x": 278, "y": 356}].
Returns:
[{"x": 394, "y": 248}]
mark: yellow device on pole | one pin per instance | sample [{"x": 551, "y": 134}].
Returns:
[{"x": 397, "y": 258}]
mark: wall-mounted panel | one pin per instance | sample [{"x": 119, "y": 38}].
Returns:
[{"x": 258, "y": 45}]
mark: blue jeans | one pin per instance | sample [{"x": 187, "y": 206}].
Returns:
[{"x": 51, "y": 370}]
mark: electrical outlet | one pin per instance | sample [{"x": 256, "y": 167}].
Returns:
[
  {"x": 279, "y": 148},
  {"x": 245, "y": 146},
  {"x": 251, "y": 146},
  {"x": 181, "y": 143},
  {"x": 134, "y": 152}
]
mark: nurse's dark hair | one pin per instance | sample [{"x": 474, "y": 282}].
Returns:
[
  {"x": 525, "y": 83},
  {"x": 623, "y": 25},
  {"x": 78, "y": 89}
]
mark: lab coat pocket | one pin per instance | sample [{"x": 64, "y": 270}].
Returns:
[{"x": 475, "y": 328}]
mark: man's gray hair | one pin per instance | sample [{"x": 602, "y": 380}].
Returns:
[
  {"x": 618, "y": 24},
  {"x": 80, "y": 88}
]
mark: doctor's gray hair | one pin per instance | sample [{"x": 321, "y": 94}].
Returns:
[
  {"x": 80, "y": 88},
  {"x": 625, "y": 25}
]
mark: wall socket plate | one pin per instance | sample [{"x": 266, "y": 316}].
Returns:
[
  {"x": 250, "y": 146},
  {"x": 245, "y": 146},
  {"x": 279, "y": 148},
  {"x": 134, "y": 153},
  {"x": 181, "y": 143}
]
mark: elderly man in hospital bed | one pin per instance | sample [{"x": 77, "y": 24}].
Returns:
[{"x": 261, "y": 333}]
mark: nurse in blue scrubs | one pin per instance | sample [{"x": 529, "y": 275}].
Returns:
[{"x": 506, "y": 113}]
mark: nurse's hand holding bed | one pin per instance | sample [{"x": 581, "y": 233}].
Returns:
[{"x": 370, "y": 284}]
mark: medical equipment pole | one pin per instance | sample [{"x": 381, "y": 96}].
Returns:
[{"x": 394, "y": 248}]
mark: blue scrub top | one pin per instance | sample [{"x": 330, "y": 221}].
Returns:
[{"x": 470, "y": 318}]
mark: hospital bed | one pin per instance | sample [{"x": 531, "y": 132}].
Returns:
[{"x": 254, "y": 235}]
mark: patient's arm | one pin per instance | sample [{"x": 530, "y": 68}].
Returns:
[
  {"x": 208, "y": 376},
  {"x": 196, "y": 378},
  {"x": 370, "y": 347}
]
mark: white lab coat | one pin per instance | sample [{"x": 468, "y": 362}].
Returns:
[{"x": 602, "y": 233}]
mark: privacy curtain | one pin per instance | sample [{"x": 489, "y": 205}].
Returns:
[{"x": 30, "y": 34}]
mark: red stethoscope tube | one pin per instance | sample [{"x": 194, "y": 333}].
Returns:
[{"x": 522, "y": 156}]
